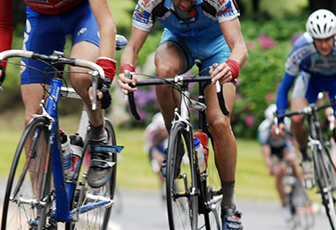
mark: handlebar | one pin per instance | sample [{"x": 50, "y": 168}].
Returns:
[
  {"x": 178, "y": 80},
  {"x": 308, "y": 110},
  {"x": 97, "y": 71}
]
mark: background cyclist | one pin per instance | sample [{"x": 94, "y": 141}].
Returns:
[
  {"x": 275, "y": 151},
  {"x": 47, "y": 25},
  {"x": 313, "y": 59},
  {"x": 156, "y": 137},
  {"x": 195, "y": 29}
]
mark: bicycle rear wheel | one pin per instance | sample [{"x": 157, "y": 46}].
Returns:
[
  {"x": 28, "y": 191},
  {"x": 303, "y": 216},
  {"x": 325, "y": 176},
  {"x": 98, "y": 217},
  {"x": 181, "y": 190}
]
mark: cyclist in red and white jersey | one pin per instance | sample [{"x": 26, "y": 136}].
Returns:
[
  {"x": 208, "y": 30},
  {"x": 91, "y": 25}
]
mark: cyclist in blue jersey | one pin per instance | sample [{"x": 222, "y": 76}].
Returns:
[
  {"x": 91, "y": 25},
  {"x": 313, "y": 59},
  {"x": 208, "y": 30}
]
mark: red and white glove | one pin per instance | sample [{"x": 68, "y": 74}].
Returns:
[
  {"x": 234, "y": 66},
  {"x": 109, "y": 66},
  {"x": 129, "y": 67}
]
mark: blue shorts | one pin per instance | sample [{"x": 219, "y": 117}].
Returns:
[
  {"x": 209, "y": 51},
  {"x": 47, "y": 33},
  {"x": 309, "y": 86}
]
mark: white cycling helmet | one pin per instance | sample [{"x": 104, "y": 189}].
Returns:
[
  {"x": 269, "y": 112},
  {"x": 321, "y": 24}
]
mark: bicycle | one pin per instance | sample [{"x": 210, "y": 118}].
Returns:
[
  {"x": 41, "y": 200},
  {"x": 297, "y": 200},
  {"x": 191, "y": 192},
  {"x": 323, "y": 166}
]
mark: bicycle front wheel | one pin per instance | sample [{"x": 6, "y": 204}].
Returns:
[
  {"x": 27, "y": 198},
  {"x": 98, "y": 217},
  {"x": 303, "y": 216},
  {"x": 325, "y": 176},
  {"x": 181, "y": 182}
]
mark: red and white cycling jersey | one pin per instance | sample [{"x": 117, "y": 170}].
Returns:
[
  {"x": 41, "y": 6},
  {"x": 52, "y": 6}
]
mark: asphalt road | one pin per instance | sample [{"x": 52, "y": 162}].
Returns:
[
  {"x": 146, "y": 211},
  {"x": 139, "y": 210}
]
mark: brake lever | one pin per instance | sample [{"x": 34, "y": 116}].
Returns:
[
  {"x": 219, "y": 89},
  {"x": 131, "y": 100},
  {"x": 94, "y": 88}
]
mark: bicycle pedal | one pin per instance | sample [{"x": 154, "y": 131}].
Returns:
[{"x": 106, "y": 148}]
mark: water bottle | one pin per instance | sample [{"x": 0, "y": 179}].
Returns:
[
  {"x": 200, "y": 155},
  {"x": 203, "y": 138},
  {"x": 76, "y": 146},
  {"x": 65, "y": 146}
]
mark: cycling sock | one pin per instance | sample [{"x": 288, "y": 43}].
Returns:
[
  {"x": 228, "y": 188},
  {"x": 97, "y": 132},
  {"x": 168, "y": 127},
  {"x": 304, "y": 153}
]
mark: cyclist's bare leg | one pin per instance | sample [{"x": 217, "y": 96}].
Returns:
[
  {"x": 87, "y": 51},
  {"x": 225, "y": 146},
  {"x": 157, "y": 155},
  {"x": 298, "y": 128},
  {"x": 32, "y": 94},
  {"x": 291, "y": 158},
  {"x": 169, "y": 61},
  {"x": 279, "y": 169}
]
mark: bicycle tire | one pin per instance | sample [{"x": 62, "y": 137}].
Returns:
[
  {"x": 19, "y": 208},
  {"x": 97, "y": 218},
  {"x": 212, "y": 195},
  {"x": 182, "y": 192},
  {"x": 325, "y": 176}
]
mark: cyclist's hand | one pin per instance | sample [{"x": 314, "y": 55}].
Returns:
[
  {"x": 104, "y": 97},
  {"x": 2, "y": 74},
  {"x": 124, "y": 82},
  {"x": 109, "y": 66},
  {"x": 281, "y": 130},
  {"x": 225, "y": 72}
]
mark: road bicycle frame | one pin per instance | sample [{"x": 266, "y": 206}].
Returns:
[
  {"x": 202, "y": 198},
  {"x": 64, "y": 188}
]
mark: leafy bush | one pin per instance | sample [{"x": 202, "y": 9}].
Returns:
[{"x": 260, "y": 78}]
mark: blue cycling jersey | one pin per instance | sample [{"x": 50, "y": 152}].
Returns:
[
  {"x": 201, "y": 22},
  {"x": 196, "y": 32},
  {"x": 317, "y": 73}
]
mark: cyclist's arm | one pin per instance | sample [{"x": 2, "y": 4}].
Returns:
[
  {"x": 129, "y": 58},
  {"x": 234, "y": 38},
  {"x": 282, "y": 95},
  {"x": 107, "y": 30},
  {"x": 107, "y": 33},
  {"x": 266, "y": 152}
]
